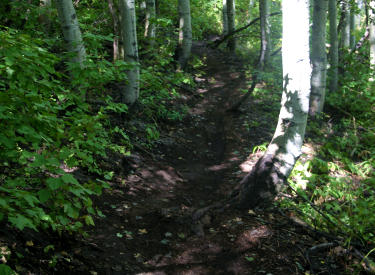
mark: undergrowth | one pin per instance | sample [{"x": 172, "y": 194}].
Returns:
[{"x": 332, "y": 187}]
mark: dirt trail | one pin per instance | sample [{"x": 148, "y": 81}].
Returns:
[
  {"x": 198, "y": 161},
  {"x": 148, "y": 226}
]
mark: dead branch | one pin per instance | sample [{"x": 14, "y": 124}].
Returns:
[{"x": 216, "y": 43}]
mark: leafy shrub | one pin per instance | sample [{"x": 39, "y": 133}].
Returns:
[{"x": 48, "y": 130}]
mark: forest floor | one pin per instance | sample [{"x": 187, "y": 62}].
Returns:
[{"x": 197, "y": 162}]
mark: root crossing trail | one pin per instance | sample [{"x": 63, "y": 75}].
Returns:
[{"x": 198, "y": 161}]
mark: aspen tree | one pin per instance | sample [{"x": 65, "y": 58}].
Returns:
[
  {"x": 118, "y": 48},
  {"x": 264, "y": 33},
  {"x": 318, "y": 57},
  {"x": 345, "y": 27},
  {"x": 372, "y": 32},
  {"x": 185, "y": 33},
  {"x": 150, "y": 20},
  {"x": 333, "y": 52},
  {"x": 130, "y": 92},
  {"x": 71, "y": 31},
  {"x": 272, "y": 170}
]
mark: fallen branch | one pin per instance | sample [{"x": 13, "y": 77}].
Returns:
[{"x": 216, "y": 43}]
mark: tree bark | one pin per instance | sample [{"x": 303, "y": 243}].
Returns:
[
  {"x": 71, "y": 31},
  {"x": 372, "y": 32},
  {"x": 334, "y": 52},
  {"x": 345, "y": 26},
  {"x": 318, "y": 57},
  {"x": 225, "y": 18},
  {"x": 150, "y": 20},
  {"x": 231, "y": 24},
  {"x": 265, "y": 48},
  {"x": 352, "y": 26},
  {"x": 185, "y": 33},
  {"x": 130, "y": 92},
  {"x": 272, "y": 170},
  {"x": 118, "y": 47}
]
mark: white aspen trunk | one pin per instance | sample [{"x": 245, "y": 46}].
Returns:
[
  {"x": 318, "y": 57},
  {"x": 345, "y": 31},
  {"x": 372, "y": 32},
  {"x": 118, "y": 49},
  {"x": 231, "y": 24},
  {"x": 150, "y": 20},
  {"x": 334, "y": 49},
  {"x": 265, "y": 39},
  {"x": 185, "y": 34},
  {"x": 71, "y": 32},
  {"x": 225, "y": 18},
  {"x": 352, "y": 27},
  {"x": 129, "y": 38},
  {"x": 271, "y": 172}
]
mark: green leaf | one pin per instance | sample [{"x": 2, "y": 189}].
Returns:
[
  {"x": 68, "y": 178},
  {"x": 6, "y": 270},
  {"x": 54, "y": 183},
  {"x": 249, "y": 259},
  {"x": 89, "y": 220},
  {"x": 44, "y": 195},
  {"x": 21, "y": 222}
]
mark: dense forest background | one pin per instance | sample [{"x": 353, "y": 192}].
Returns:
[{"x": 262, "y": 111}]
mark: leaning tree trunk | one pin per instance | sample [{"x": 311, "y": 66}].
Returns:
[
  {"x": 185, "y": 34},
  {"x": 130, "y": 92},
  {"x": 265, "y": 48},
  {"x": 71, "y": 32},
  {"x": 318, "y": 57},
  {"x": 150, "y": 20},
  {"x": 334, "y": 49},
  {"x": 272, "y": 170},
  {"x": 231, "y": 24}
]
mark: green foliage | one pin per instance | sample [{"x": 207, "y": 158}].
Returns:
[
  {"x": 336, "y": 188},
  {"x": 203, "y": 25},
  {"x": 48, "y": 130}
]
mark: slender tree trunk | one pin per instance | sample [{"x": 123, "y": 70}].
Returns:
[
  {"x": 372, "y": 32},
  {"x": 264, "y": 33},
  {"x": 130, "y": 93},
  {"x": 352, "y": 27},
  {"x": 345, "y": 27},
  {"x": 72, "y": 33},
  {"x": 272, "y": 170},
  {"x": 150, "y": 20},
  {"x": 118, "y": 48},
  {"x": 231, "y": 24},
  {"x": 318, "y": 57},
  {"x": 185, "y": 34},
  {"x": 225, "y": 18},
  {"x": 334, "y": 49}
]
